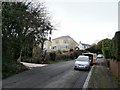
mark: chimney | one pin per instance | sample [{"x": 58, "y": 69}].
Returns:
[{"x": 50, "y": 39}]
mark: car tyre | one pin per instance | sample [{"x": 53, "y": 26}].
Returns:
[
  {"x": 88, "y": 69},
  {"x": 75, "y": 68}
]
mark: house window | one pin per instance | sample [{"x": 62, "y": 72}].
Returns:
[
  {"x": 65, "y": 41},
  {"x": 57, "y": 42},
  {"x": 54, "y": 47},
  {"x": 66, "y": 47}
]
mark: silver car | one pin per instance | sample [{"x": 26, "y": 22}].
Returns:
[
  {"x": 100, "y": 59},
  {"x": 82, "y": 62}
]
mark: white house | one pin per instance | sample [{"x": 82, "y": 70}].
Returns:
[
  {"x": 83, "y": 46},
  {"x": 60, "y": 43},
  {"x": 64, "y": 43}
]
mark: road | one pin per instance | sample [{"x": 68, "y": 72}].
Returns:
[{"x": 59, "y": 75}]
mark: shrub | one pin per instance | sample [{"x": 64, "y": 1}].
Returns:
[
  {"x": 116, "y": 45},
  {"x": 106, "y": 52},
  {"x": 59, "y": 52},
  {"x": 52, "y": 55},
  {"x": 9, "y": 69}
]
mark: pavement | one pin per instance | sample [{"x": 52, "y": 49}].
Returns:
[{"x": 101, "y": 77}]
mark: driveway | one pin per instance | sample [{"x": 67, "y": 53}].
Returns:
[{"x": 59, "y": 75}]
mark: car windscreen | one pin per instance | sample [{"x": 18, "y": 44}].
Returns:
[
  {"x": 82, "y": 59},
  {"x": 99, "y": 57}
]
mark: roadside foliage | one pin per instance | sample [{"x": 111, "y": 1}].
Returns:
[
  {"x": 24, "y": 25},
  {"x": 110, "y": 48}
]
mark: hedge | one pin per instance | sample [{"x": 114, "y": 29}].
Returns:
[
  {"x": 112, "y": 50},
  {"x": 117, "y": 35},
  {"x": 115, "y": 49}
]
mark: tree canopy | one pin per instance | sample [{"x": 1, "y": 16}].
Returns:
[
  {"x": 23, "y": 25},
  {"x": 101, "y": 46}
]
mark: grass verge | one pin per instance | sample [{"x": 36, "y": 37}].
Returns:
[{"x": 9, "y": 69}]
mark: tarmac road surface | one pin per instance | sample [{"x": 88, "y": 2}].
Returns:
[{"x": 59, "y": 75}]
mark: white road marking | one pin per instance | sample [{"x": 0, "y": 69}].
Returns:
[{"x": 87, "y": 80}]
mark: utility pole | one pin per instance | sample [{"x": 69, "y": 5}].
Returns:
[{"x": 119, "y": 16}]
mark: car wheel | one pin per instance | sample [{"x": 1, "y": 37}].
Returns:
[
  {"x": 75, "y": 68},
  {"x": 88, "y": 69}
]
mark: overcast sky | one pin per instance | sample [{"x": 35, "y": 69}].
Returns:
[{"x": 87, "y": 21}]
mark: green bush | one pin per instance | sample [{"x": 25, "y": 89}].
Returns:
[
  {"x": 9, "y": 69},
  {"x": 117, "y": 45},
  {"x": 59, "y": 52},
  {"x": 113, "y": 48},
  {"x": 106, "y": 43},
  {"x": 106, "y": 52},
  {"x": 52, "y": 56}
]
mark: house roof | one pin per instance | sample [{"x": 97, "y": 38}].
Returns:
[
  {"x": 62, "y": 37},
  {"x": 65, "y": 37},
  {"x": 85, "y": 44}
]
